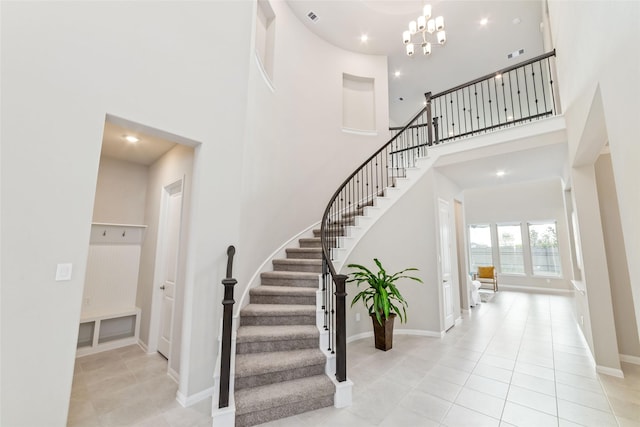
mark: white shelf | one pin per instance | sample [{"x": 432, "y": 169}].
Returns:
[{"x": 106, "y": 331}]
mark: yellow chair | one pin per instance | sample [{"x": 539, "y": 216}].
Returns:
[{"x": 487, "y": 274}]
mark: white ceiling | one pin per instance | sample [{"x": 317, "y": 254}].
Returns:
[
  {"x": 145, "y": 152},
  {"x": 531, "y": 164},
  {"x": 471, "y": 50}
]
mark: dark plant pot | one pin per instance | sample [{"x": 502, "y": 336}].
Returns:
[{"x": 383, "y": 334}]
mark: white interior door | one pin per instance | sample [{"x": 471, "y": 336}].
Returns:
[
  {"x": 170, "y": 240},
  {"x": 445, "y": 264}
]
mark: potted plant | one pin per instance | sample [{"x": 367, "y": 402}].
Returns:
[{"x": 382, "y": 299}]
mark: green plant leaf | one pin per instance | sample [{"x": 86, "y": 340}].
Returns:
[{"x": 381, "y": 296}]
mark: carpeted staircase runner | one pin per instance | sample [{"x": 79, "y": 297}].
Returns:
[{"x": 280, "y": 370}]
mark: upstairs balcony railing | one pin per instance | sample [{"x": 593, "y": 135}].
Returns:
[
  {"x": 522, "y": 93},
  {"x": 511, "y": 96}
]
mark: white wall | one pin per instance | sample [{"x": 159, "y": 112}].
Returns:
[
  {"x": 120, "y": 192},
  {"x": 296, "y": 153},
  {"x": 520, "y": 203},
  {"x": 407, "y": 236},
  {"x": 64, "y": 66},
  {"x": 625, "y": 318},
  {"x": 177, "y": 164},
  {"x": 589, "y": 63}
]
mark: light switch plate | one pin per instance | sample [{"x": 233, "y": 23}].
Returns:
[{"x": 63, "y": 272}]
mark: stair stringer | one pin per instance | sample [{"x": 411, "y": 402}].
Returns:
[{"x": 382, "y": 204}]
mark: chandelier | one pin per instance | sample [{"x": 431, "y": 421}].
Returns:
[{"x": 422, "y": 25}]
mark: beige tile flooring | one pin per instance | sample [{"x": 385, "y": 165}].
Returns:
[
  {"x": 518, "y": 360},
  {"x": 126, "y": 387}
]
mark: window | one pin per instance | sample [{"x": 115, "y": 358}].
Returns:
[
  {"x": 510, "y": 249},
  {"x": 543, "y": 240},
  {"x": 479, "y": 246}
]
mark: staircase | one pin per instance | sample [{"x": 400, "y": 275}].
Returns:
[{"x": 279, "y": 368}]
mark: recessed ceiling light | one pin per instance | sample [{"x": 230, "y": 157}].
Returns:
[
  {"x": 132, "y": 139},
  {"x": 484, "y": 21},
  {"x": 397, "y": 74},
  {"x": 500, "y": 174},
  {"x": 498, "y": 76},
  {"x": 364, "y": 38}
]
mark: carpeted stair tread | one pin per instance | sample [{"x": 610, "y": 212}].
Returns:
[
  {"x": 298, "y": 261},
  {"x": 268, "y": 333},
  {"x": 310, "y": 242},
  {"x": 278, "y": 310},
  {"x": 290, "y": 275},
  {"x": 279, "y": 368},
  {"x": 298, "y": 265},
  {"x": 333, "y": 231},
  {"x": 261, "y": 363},
  {"x": 304, "y": 253},
  {"x": 290, "y": 278},
  {"x": 275, "y": 395},
  {"x": 283, "y": 290}
]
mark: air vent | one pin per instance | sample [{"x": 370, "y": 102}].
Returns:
[
  {"x": 311, "y": 15},
  {"x": 515, "y": 54}
]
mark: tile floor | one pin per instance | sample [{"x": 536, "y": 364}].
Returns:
[
  {"x": 518, "y": 360},
  {"x": 126, "y": 387}
]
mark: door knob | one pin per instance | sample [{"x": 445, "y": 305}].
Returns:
[{"x": 162, "y": 287}]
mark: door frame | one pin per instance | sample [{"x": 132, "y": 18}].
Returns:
[
  {"x": 156, "y": 300},
  {"x": 461, "y": 245}
]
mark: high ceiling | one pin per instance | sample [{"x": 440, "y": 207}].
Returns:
[{"x": 471, "y": 50}]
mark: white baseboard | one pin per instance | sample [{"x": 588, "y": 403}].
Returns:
[
  {"x": 417, "y": 332},
  {"x": 609, "y": 371},
  {"x": 533, "y": 289},
  {"x": 630, "y": 359},
  {"x": 187, "y": 401},
  {"x": 357, "y": 337},
  {"x": 420, "y": 333}
]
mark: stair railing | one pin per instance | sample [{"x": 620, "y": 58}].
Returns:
[
  {"x": 358, "y": 191},
  {"x": 521, "y": 93},
  {"x": 507, "y": 97},
  {"x": 225, "y": 362}
]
